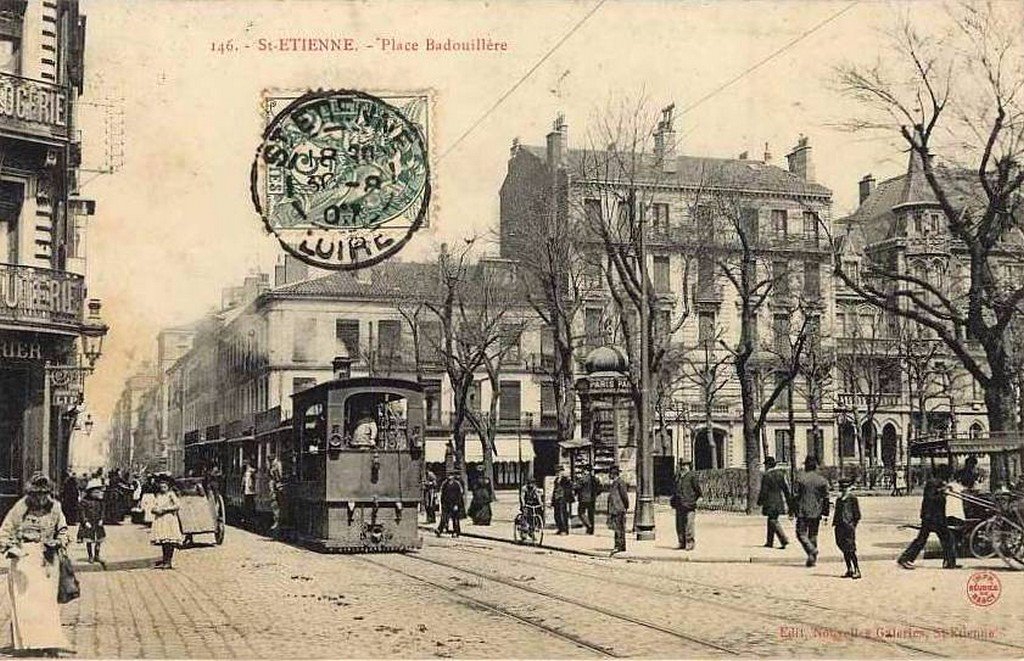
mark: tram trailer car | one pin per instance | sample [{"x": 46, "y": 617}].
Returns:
[{"x": 358, "y": 467}]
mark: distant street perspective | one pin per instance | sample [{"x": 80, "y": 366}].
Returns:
[{"x": 536, "y": 342}]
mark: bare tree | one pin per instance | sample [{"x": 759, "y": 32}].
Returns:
[
  {"x": 707, "y": 367},
  {"x": 954, "y": 99}
]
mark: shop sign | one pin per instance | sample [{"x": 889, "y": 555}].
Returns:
[
  {"x": 33, "y": 106},
  {"x": 30, "y": 295}
]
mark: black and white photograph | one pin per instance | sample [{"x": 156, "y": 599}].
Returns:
[{"x": 494, "y": 329}]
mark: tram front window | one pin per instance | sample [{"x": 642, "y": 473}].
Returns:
[
  {"x": 314, "y": 432},
  {"x": 376, "y": 421}
]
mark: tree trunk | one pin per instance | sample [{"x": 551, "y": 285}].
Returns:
[
  {"x": 751, "y": 443},
  {"x": 791, "y": 415}
]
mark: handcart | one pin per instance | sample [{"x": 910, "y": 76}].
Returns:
[
  {"x": 995, "y": 526},
  {"x": 201, "y": 511}
]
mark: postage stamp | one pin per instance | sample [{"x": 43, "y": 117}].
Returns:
[{"x": 342, "y": 177}]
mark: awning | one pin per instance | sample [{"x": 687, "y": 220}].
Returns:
[
  {"x": 575, "y": 443},
  {"x": 506, "y": 449}
]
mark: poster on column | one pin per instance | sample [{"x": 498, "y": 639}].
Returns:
[{"x": 293, "y": 248}]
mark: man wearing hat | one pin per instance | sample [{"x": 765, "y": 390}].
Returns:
[
  {"x": 618, "y": 505},
  {"x": 810, "y": 504},
  {"x": 845, "y": 519},
  {"x": 684, "y": 501}
]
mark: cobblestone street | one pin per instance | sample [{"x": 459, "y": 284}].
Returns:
[{"x": 257, "y": 598}]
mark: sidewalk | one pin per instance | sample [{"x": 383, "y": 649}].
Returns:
[
  {"x": 126, "y": 547},
  {"x": 720, "y": 536}
]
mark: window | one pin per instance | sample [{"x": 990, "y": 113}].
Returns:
[
  {"x": 11, "y": 197},
  {"x": 301, "y": 383},
  {"x": 781, "y": 279},
  {"x": 659, "y": 217},
  {"x": 473, "y": 397},
  {"x": 780, "y": 223},
  {"x": 509, "y": 407},
  {"x": 782, "y": 445},
  {"x": 303, "y": 340},
  {"x": 780, "y": 333},
  {"x": 592, "y": 326},
  {"x": 592, "y": 209},
  {"x": 430, "y": 340},
  {"x": 704, "y": 216},
  {"x": 661, "y": 274},
  {"x": 749, "y": 222},
  {"x": 346, "y": 332},
  {"x": 705, "y": 277},
  {"x": 389, "y": 338},
  {"x": 812, "y": 280},
  {"x": 811, "y": 227},
  {"x": 432, "y": 401},
  {"x": 548, "y": 410},
  {"x": 510, "y": 343},
  {"x": 852, "y": 270},
  {"x": 662, "y": 324},
  {"x": 10, "y": 55},
  {"x": 816, "y": 444},
  {"x": 934, "y": 223},
  {"x": 705, "y": 326}
]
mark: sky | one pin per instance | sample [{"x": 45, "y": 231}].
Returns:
[{"x": 174, "y": 223}]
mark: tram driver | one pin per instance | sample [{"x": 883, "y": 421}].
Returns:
[{"x": 364, "y": 434}]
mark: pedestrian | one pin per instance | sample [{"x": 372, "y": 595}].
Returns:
[
  {"x": 561, "y": 498},
  {"x": 430, "y": 496},
  {"x": 586, "y": 493},
  {"x": 774, "y": 499},
  {"x": 248, "y": 494},
  {"x": 684, "y": 500},
  {"x": 845, "y": 519},
  {"x": 276, "y": 484},
  {"x": 968, "y": 475},
  {"x": 933, "y": 520},
  {"x": 91, "y": 531},
  {"x": 618, "y": 505},
  {"x": 810, "y": 505},
  {"x": 453, "y": 502},
  {"x": 146, "y": 502},
  {"x": 166, "y": 530},
  {"x": 33, "y": 535},
  {"x": 69, "y": 496},
  {"x": 480, "y": 504},
  {"x": 899, "y": 481}
]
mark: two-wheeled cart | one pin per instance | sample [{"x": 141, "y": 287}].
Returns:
[{"x": 201, "y": 510}]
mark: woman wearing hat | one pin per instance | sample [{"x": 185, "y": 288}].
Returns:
[
  {"x": 166, "y": 530},
  {"x": 31, "y": 536},
  {"x": 91, "y": 530}
]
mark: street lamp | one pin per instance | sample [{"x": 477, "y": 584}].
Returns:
[{"x": 93, "y": 331}]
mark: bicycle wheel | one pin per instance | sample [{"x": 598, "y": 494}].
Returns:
[
  {"x": 538, "y": 527},
  {"x": 980, "y": 541},
  {"x": 517, "y": 529},
  {"x": 1008, "y": 540}
]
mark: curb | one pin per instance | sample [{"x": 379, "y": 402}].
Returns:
[
  {"x": 113, "y": 565},
  {"x": 627, "y": 555}
]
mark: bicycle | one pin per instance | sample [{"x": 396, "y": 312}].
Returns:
[{"x": 528, "y": 526}]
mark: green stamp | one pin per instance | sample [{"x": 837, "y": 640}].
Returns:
[{"x": 342, "y": 178}]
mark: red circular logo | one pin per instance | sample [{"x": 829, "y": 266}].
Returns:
[{"x": 983, "y": 588}]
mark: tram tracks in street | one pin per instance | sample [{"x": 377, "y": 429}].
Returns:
[
  {"x": 821, "y": 630},
  {"x": 695, "y": 646},
  {"x": 831, "y": 611}
]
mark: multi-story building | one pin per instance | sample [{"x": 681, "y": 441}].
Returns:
[
  {"x": 132, "y": 430},
  {"x": 900, "y": 380},
  {"x": 786, "y": 215},
  {"x": 42, "y": 263},
  {"x": 244, "y": 363}
]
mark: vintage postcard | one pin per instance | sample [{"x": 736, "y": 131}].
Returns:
[{"x": 500, "y": 329}]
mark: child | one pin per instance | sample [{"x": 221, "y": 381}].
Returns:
[
  {"x": 845, "y": 519},
  {"x": 166, "y": 530},
  {"x": 91, "y": 530}
]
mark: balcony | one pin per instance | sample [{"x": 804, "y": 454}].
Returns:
[
  {"x": 442, "y": 423},
  {"x": 703, "y": 293},
  {"x": 846, "y": 400},
  {"x": 33, "y": 109},
  {"x": 36, "y": 297}
]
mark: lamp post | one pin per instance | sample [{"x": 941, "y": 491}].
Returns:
[
  {"x": 71, "y": 377},
  {"x": 645, "y": 462}
]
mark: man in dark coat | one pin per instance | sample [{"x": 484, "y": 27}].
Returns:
[
  {"x": 810, "y": 504},
  {"x": 453, "y": 502},
  {"x": 561, "y": 498},
  {"x": 618, "y": 505},
  {"x": 774, "y": 499},
  {"x": 430, "y": 497},
  {"x": 69, "y": 495},
  {"x": 684, "y": 501},
  {"x": 586, "y": 493},
  {"x": 933, "y": 520},
  {"x": 845, "y": 519}
]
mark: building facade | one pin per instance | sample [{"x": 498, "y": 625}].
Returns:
[
  {"x": 42, "y": 222},
  {"x": 787, "y": 216}
]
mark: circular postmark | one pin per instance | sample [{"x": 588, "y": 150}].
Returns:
[
  {"x": 341, "y": 178},
  {"x": 983, "y": 588}
]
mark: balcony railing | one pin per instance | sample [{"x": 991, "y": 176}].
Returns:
[
  {"x": 846, "y": 400},
  {"x": 35, "y": 296},
  {"x": 443, "y": 423},
  {"x": 33, "y": 108}
]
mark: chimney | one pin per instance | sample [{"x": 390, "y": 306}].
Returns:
[
  {"x": 767, "y": 155},
  {"x": 744, "y": 156},
  {"x": 800, "y": 162},
  {"x": 342, "y": 366},
  {"x": 665, "y": 141},
  {"x": 363, "y": 276},
  {"x": 289, "y": 269},
  {"x": 515, "y": 147},
  {"x": 558, "y": 141},
  {"x": 867, "y": 184}
]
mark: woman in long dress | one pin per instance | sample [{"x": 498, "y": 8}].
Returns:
[
  {"x": 32, "y": 535},
  {"x": 166, "y": 530}
]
